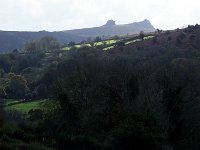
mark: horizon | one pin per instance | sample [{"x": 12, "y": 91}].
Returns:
[
  {"x": 60, "y": 15},
  {"x": 76, "y": 28}
]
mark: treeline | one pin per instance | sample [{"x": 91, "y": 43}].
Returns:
[{"x": 46, "y": 43}]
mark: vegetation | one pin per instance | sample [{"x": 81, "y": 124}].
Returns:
[
  {"x": 46, "y": 43},
  {"x": 24, "y": 107},
  {"x": 141, "y": 93}
]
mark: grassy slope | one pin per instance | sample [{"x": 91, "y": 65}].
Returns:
[
  {"x": 107, "y": 42},
  {"x": 25, "y": 107},
  {"x": 22, "y": 107}
]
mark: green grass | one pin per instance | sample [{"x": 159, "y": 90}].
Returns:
[
  {"x": 107, "y": 42},
  {"x": 134, "y": 41},
  {"x": 108, "y": 48},
  {"x": 148, "y": 37},
  {"x": 66, "y": 48},
  {"x": 25, "y": 107},
  {"x": 10, "y": 101},
  {"x": 77, "y": 46}
]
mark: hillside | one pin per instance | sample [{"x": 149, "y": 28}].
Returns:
[
  {"x": 10, "y": 40},
  {"x": 139, "y": 92}
]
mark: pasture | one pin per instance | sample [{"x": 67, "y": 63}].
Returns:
[{"x": 23, "y": 107}]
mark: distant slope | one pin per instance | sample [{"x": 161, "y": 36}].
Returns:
[
  {"x": 110, "y": 28},
  {"x": 10, "y": 40}
]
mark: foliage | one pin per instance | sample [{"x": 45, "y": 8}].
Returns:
[
  {"x": 142, "y": 35},
  {"x": 46, "y": 43},
  {"x": 137, "y": 95},
  {"x": 17, "y": 87},
  {"x": 25, "y": 107}
]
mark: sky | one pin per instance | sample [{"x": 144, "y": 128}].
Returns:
[{"x": 58, "y": 15}]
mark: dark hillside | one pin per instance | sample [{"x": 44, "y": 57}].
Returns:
[{"x": 10, "y": 40}]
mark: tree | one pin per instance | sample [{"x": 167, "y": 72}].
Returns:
[
  {"x": 2, "y": 92},
  {"x": 89, "y": 39},
  {"x": 5, "y": 63},
  {"x": 2, "y": 72},
  {"x": 71, "y": 43},
  {"x": 31, "y": 47},
  {"x": 41, "y": 91},
  {"x": 120, "y": 43},
  {"x": 17, "y": 87},
  {"x": 92, "y": 44},
  {"x": 98, "y": 39},
  {"x": 141, "y": 35},
  {"x": 47, "y": 43}
]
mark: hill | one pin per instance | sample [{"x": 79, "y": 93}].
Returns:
[
  {"x": 110, "y": 28},
  {"x": 142, "y": 92},
  {"x": 10, "y": 40}
]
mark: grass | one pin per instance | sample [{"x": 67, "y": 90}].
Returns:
[
  {"x": 10, "y": 101},
  {"x": 108, "y": 48},
  {"x": 134, "y": 41},
  {"x": 66, "y": 48},
  {"x": 25, "y": 107},
  {"x": 148, "y": 37},
  {"x": 107, "y": 42}
]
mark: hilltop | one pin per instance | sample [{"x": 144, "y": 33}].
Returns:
[
  {"x": 112, "y": 29},
  {"x": 10, "y": 40}
]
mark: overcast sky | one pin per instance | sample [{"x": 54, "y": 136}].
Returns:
[{"x": 56, "y": 15}]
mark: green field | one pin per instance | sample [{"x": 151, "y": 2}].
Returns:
[
  {"x": 148, "y": 37},
  {"x": 107, "y": 42},
  {"x": 24, "y": 107},
  {"x": 66, "y": 48},
  {"x": 134, "y": 41},
  {"x": 108, "y": 48}
]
